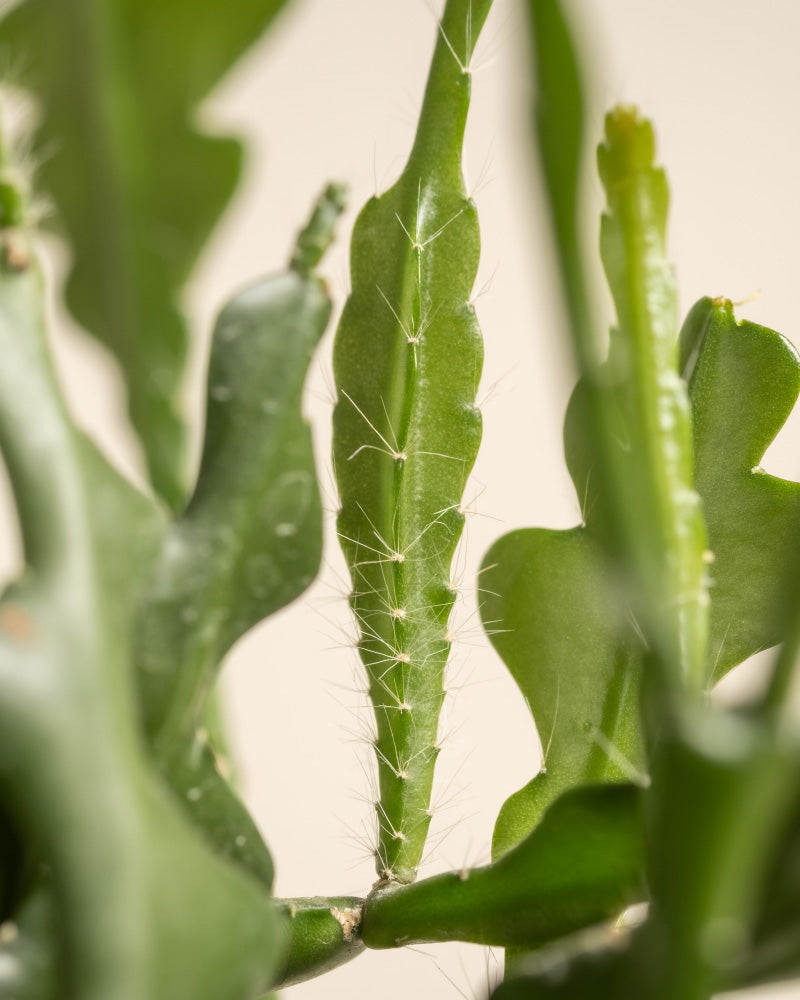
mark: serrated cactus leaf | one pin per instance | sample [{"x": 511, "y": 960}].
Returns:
[
  {"x": 634, "y": 477},
  {"x": 407, "y": 360},
  {"x": 744, "y": 380},
  {"x": 574, "y": 659},
  {"x": 581, "y": 865},
  {"x": 250, "y": 539},
  {"x": 137, "y": 185}
]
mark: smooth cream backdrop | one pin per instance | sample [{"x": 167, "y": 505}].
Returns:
[{"x": 333, "y": 93}]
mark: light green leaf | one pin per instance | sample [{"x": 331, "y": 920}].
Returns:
[
  {"x": 569, "y": 648},
  {"x": 743, "y": 380}
]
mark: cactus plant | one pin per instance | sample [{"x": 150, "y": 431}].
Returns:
[{"x": 652, "y": 852}]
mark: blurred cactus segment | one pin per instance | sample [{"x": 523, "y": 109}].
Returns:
[
  {"x": 137, "y": 186},
  {"x": 407, "y": 360},
  {"x": 559, "y": 126},
  {"x": 143, "y": 909},
  {"x": 651, "y": 471},
  {"x": 250, "y": 539},
  {"x": 637, "y": 406}
]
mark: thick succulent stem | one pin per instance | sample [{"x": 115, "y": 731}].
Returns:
[{"x": 407, "y": 361}]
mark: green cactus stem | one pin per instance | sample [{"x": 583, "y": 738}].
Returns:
[
  {"x": 657, "y": 510},
  {"x": 324, "y": 933},
  {"x": 407, "y": 361}
]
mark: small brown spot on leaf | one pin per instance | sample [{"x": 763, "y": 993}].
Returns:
[{"x": 15, "y": 621}]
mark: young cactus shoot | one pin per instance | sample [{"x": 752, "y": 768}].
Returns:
[{"x": 407, "y": 360}]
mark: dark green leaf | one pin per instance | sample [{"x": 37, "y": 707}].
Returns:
[
  {"x": 581, "y": 865},
  {"x": 591, "y": 965},
  {"x": 723, "y": 790}
]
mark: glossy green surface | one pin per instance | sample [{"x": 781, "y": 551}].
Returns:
[
  {"x": 581, "y": 865},
  {"x": 324, "y": 933},
  {"x": 137, "y": 185},
  {"x": 407, "y": 359}
]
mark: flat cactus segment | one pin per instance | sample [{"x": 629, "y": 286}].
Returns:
[
  {"x": 561, "y": 642},
  {"x": 250, "y": 539},
  {"x": 407, "y": 360},
  {"x": 581, "y": 865},
  {"x": 744, "y": 380},
  {"x": 568, "y": 645}
]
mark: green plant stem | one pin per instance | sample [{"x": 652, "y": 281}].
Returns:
[
  {"x": 407, "y": 360},
  {"x": 324, "y": 933}
]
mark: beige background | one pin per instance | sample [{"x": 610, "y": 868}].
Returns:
[{"x": 333, "y": 93}]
